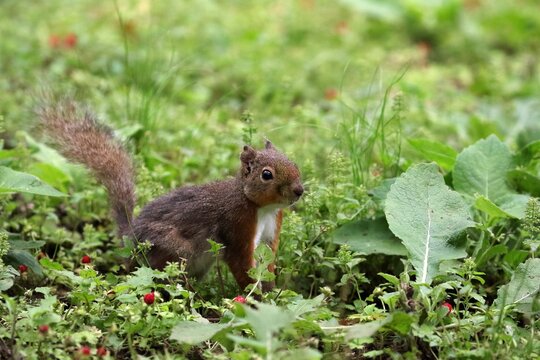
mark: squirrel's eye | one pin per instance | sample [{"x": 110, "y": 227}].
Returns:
[{"x": 267, "y": 175}]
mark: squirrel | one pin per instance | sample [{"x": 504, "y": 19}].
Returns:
[{"x": 239, "y": 213}]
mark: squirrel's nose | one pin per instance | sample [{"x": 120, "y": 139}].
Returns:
[{"x": 299, "y": 190}]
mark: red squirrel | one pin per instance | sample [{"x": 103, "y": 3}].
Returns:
[{"x": 239, "y": 213}]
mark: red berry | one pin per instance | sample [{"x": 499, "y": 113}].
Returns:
[
  {"x": 448, "y": 306},
  {"x": 240, "y": 299},
  {"x": 70, "y": 41},
  {"x": 54, "y": 41},
  {"x": 85, "y": 350},
  {"x": 101, "y": 351},
  {"x": 43, "y": 328},
  {"x": 86, "y": 259},
  {"x": 23, "y": 268},
  {"x": 330, "y": 94},
  {"x": 149, "y": 298}
]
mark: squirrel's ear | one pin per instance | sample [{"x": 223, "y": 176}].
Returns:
[
  {"x": 248, "y": 154},
  {"x": 268, "y": 145},
  {"x": 247, "y": 157}
]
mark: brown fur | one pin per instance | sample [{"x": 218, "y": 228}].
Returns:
[
  {"x": 179, "y": 223},
  {"x": 80, "y": 138}
]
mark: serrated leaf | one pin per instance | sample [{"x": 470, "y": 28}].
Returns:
[
  {"x": 143, "y": 277},
  {"x": 193, "y": 333},
  {"x": 369, "y": 237},
  {"x": 426, "y": 215},
  {"x": 15, "y": 181},
  {"x": 441, "y": 153},
  {"x": 481, "y": 170},
  {"x": 523, "y": 290}
]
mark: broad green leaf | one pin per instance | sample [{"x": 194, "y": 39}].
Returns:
[
  {"x": 45, "y": 153},
  {"x": 303, "y": 306},
  {"x": 58, "y": 269},
  {"x": 525, "y": 181},
  {"x": 302, "y": 354},
  {"x": 6, "y": 282},
  {"x": 515, "y": 257},
  {"x": 361, "y": 330},
  {"x": 528, "y": 153},
  {"x": 128, "y": 298},
  {"x": 6, "y": 154},
  {"x": 50, "y": 174},
  {"x": 193, "y": 333},
  {"x": 16, "y": 181},
  {"x": 369, "y": 237},
  {"x": 44, "y": 313},
  {"x": 257, "y": 345},
  {"x": 482, "y": 203},
  {"x": 432, "y": 150},
  {"x": 523, "y": 290},
  {"x": 426, "y": 215},
  {"x": 481, "y": 169},
  {"x": 379, "y": 193},
  {"x": 267, "y": 319},
  {"x": 491, "y": 253},
  {"x": 130, "y": 131},
  {"x": 515, "y": 204},
  {"x": 25, "y": 244},
  {"x": 401, "y": 322},
  {"x": 7, "y": 276},
  {"x": 364, "y": 330}
]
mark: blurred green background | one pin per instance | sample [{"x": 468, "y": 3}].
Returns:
[{"x": 178, "y": 77}]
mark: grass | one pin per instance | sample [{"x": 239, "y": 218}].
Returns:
[{"x": 346, "y": 89}]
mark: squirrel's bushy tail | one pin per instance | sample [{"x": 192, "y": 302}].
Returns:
[{"x": 81, "y": 138}]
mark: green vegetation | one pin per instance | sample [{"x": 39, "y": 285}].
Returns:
[{"x": 416, "y": 125}]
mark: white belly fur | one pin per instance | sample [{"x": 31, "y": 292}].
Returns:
[{"x": 266, "y": 225}]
